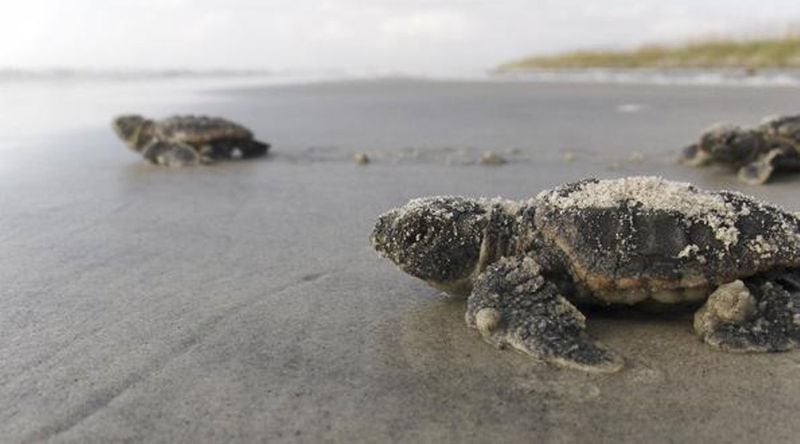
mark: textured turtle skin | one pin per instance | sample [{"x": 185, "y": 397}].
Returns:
[
  {"x": 527, "y": 266},
  {"x": 629, "y": 247},
  {"x": 188, "y": 139},
  {"x": 757, "y": 153}
]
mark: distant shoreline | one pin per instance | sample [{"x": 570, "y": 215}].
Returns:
[
  {"x": 746, "y": 56},
  {"x": 221, "y": 79}
]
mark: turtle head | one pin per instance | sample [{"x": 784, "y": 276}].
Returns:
[
  {"x": 724, "y": 143},
  {"x": 436, "y": 239},
  {"x": 130, "y": 128}
]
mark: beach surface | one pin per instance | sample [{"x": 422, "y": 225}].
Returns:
[{"x": 242, "y": 302}]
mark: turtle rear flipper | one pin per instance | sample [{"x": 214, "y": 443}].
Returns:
[
  {"x": 760, "y": 314},
  {"x": 234, "y": 149},
  {"x": 253, "y": 148},
  {"x": 512, "y": 304}
]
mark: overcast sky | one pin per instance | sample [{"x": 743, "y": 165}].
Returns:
[{"x": 409, "y": 36}]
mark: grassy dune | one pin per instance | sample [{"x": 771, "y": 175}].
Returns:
[{"x": 752, "y": 54}]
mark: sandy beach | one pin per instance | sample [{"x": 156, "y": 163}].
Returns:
[{"x": 242, "y": 302}]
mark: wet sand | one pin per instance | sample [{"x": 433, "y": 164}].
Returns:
[{"x": 242, "y": 301}]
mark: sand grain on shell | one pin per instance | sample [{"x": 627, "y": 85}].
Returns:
[{"x": 653, "y": 193}]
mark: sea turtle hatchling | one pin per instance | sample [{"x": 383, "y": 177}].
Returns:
[
  {"x": 525, "y": 266},
  {"x": 772, "y": 146},
  {"x": 187, "y": 140}
]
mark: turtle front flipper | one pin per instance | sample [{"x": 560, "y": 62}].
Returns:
[
  {"x": 760, "y": 170},
  {"x": 512, "y": 304},
  {"x": 172, "y": 154},
  {"x": 760, "y": 314}
]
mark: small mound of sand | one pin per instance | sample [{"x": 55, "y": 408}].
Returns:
[
  {"x": 492, "y": 158},
  {"x": 361, "y": 159}
]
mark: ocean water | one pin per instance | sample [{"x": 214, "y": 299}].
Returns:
[
  {"x": 605, "y": 120},
  {"x": 41, "y": 102}
]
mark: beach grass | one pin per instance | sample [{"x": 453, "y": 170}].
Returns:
[{"x": 774, "y": 53}]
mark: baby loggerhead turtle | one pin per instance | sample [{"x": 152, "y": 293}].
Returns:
[
  {"x": 630, "y": 241},
  {"x": 187, "y": 140},
  {"x": 755, "y": 152}
]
